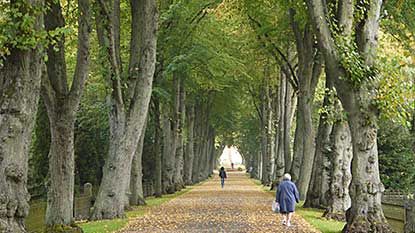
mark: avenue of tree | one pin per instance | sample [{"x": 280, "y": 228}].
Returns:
[{"x": 122, "y": 93}]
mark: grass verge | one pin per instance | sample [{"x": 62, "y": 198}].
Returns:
[
  {"x": 108, "y": 226},
  {"x": 312, "y": 216},
  {"x": 35, "y": 222}
]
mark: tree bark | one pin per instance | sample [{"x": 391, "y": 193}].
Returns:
[
  {"x": 179, "y": 152},
  {"x": 20, "y": 78},
  {"x": 280, "y": 140},
  {"x": 189, "y": 156},
  {"x": 202, "y": 143},
  {"x": 158, "y": 188},
  {"x": 288, "y": 113},
  {"x": 340, "y": 174},
  {"x": 316, "y": 196},
  {"x": 298, "y": 145},
  {"x": 309, "y": 72},
  {"x": 126, "y": 123},
  {"x": 61, "y": 104},
  {"x": 266, "y": 128},
  {"x": 136, "y": 183},
  {"x": 197, "y": 142},
  {"x": 168, "y": 156}
]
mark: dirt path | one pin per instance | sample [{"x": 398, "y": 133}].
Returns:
[{"x": 240, "y": 207}]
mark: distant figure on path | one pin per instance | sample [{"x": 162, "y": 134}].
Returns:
[
  {"x": 287, "y": 196},
  {"x": 232, "y": 165},
  {"x": 222, "y": 175}
]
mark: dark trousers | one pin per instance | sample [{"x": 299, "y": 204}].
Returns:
[{"x": 222, "y": 181}]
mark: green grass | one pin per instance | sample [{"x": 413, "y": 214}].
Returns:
[
  {"x": 108, "y": 226},
  {"x": 104, "y": 226},
  {"x": 314, "y": 217},
  {"x": 35, "y": 222}
]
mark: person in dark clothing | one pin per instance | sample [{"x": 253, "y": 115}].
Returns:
[
  {"x": 287, "y": 196},
  {"x": 222, "y": 175}
]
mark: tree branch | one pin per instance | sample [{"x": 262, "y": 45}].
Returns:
[
  {"x": 108, "y": 32},
  {"x": 323, "y": 32},
  {"x": 135, "y": 45},
  {"x": 367, "y": 30},
  {"x": 56, "y": 66},
  {"x": 82, "y": 60},
  {"x": 294, "y": 81},
  {"x": 345, "y": 16},
  {"x": 255, "y": 103}
]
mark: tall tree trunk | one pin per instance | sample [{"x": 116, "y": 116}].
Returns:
[
  {"x": 215, "y": 154},
  {"x": 316, "y": 196},
  {"x": 197, "y": 142},
  {"x": 341, "y": 158},
  {"x": 126, "y": 123},
  {"x": 20, "y": 78},
  {"x": 212, "y": 151},
  {"x": 309, "y": 70},
  {"x": 365, "y": 214},
  {"x": 254, "y": 164},
  {"x": 202, "y": 150},
  {"x": 366, "y": 189},
  {"x": 136, "y": 182},
  {"x": 308, "y": 149},
  {"x": 298, "y": 145},
  {"x": 168, "y": 155},
  {"x": 260, "y": 167},
  {"x": 189, "y": 156},
  {"x": 158, "y": 187},
  {"x": 266, "y": 128},
  {"x": 61, "y": 104},
  {"x": 288, "y": 113},
  {"x": 280, "y": 143},
  {"x": 181, "y": 115},
  {"x": 59, "y": 209}
]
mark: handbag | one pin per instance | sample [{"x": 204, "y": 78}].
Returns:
[{"x": 275, "y": 207}]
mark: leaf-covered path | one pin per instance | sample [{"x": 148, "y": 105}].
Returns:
[{"x": 240, "y": 207}]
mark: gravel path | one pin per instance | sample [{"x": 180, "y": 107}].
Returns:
[{"x": 240, "y": 207}]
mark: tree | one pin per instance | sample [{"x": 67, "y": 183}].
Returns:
[
  {"x": 129, "y": 108},
  {"x": 318, "y": 187},
  {"x": 309, "y": 70},
  {"x": 20, "y": 72},
  {"x": 62, "y": 103},
  {"x": 350, "y": 59}
]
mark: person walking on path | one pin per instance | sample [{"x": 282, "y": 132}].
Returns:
[
  {"x": 287, "y": 196},
  {"x": 222, "y": 175}
]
